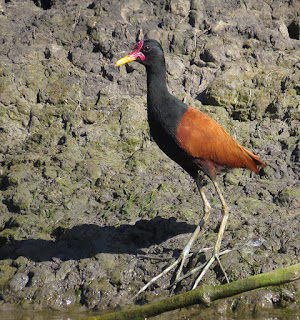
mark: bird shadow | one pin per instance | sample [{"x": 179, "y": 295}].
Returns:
[{"x": 87, "y": 240}]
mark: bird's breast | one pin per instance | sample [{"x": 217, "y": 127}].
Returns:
[{"x": 163, "y": 123}]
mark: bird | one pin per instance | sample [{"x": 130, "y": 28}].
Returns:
[{"x": 193, "y": 140}]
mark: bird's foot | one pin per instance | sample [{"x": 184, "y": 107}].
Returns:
[
  {"x": 173, "y": 265},
  {"x": 179, "y": 276},
  {"x": 184, "y": 255},
  {"x": 206, "y": 266}
]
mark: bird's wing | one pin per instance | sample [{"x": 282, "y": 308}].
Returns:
[{"x": 203, "y": 138}]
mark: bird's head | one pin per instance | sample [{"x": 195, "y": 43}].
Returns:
[{"x": 147, "y": 52}]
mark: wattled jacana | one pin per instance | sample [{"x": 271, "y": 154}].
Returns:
[{"x": 190, "y": 138}]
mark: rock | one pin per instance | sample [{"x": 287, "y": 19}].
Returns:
[
  {"x": 289, "y": 197},
  {"x": 91, "y": 294},
  {"x": 175, "y": 68},
  {"x": 180, "y": 7},
  {"x": 18, "y": 282},
  {"x": 84, "y": 191},
  {"x": 294, "y": 29}
]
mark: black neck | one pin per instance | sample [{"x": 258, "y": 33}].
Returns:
[
  {"x": 157, "y": 89},
  {"x": 164, "y": 110}
]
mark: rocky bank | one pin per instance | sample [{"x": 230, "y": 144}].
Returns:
[{"x": 88, "y": 200}]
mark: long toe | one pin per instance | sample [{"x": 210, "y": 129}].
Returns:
[
  {"x": 206, "y": 266},
  {"x": 173, "y": 265},
  {"x": 217, "y": 255}
]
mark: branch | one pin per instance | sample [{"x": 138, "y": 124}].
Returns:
[{"x": 206, "y": 294}]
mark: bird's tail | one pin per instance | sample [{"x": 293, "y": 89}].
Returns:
[{"x": 253, "y": 162}]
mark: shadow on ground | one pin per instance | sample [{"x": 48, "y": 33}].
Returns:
[{"x": 87, "y": 240}]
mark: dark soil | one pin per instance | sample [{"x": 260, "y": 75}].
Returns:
[{"x": 88, "y": 201}]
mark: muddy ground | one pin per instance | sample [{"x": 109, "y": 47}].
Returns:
[{"x": 88, "y": 201}]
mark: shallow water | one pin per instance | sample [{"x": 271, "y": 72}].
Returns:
[
  {"x": 39, "y": 315},
  {"x": 190, "y": 314},
  {"x": 194, "y": 313}
]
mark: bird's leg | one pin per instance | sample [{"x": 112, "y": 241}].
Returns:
[
  {"x": 185, "y": 252},
  {"x": 225, "y": 212},
  {"x": 222, "y": 228},
  {"x": 187, "y": 248}
]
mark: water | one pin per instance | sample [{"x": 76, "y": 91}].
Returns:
[
  {"x": 193, "y": 313},
  {"x": 41, "y": 315}
]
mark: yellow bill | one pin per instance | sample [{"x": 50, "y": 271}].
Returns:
[
  {"x": 124, "y": 60},
  {"x": 136, "y": 54}
]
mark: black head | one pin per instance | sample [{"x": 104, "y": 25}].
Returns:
[{"x": 148, "y": 52}]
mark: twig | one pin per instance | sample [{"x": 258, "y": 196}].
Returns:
[{"x": 206, "y": 294}]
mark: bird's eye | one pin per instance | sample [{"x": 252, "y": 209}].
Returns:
[{"x": 146, "y": 49}]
